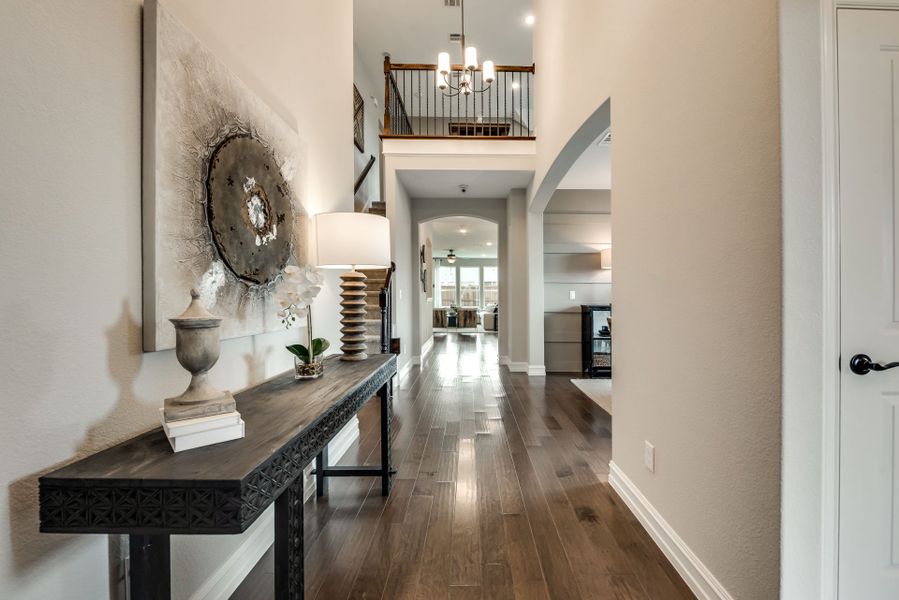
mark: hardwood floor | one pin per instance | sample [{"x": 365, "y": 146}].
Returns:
[{"x": 500, "y": 493}]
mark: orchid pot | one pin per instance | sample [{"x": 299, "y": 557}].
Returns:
[{"x": 295, "y": 294}]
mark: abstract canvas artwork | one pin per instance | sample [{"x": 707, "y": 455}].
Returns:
[{"x": 220, "y": 210}]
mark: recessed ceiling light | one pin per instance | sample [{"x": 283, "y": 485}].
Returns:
[
  {"x": 463, "y": 231},
  {"x": 489, "y": 243},
  {"x": 529, "y": 20}
]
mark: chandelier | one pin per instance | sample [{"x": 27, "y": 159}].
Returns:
[{"x": 469, "y": 68}]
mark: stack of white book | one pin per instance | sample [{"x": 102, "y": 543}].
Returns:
[{"x": 202, "y": 431}]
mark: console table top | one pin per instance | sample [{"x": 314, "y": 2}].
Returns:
[{"x": 287, "y": 423}]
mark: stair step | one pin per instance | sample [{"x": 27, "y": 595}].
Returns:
[{"x": 378, "y": 208}]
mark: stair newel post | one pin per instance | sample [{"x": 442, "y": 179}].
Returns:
[{"x": 387, "y": 125}]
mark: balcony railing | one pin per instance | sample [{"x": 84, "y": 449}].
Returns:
[{"x": 415, "y": 107}]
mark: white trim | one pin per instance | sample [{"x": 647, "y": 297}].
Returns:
[
  {"x": 426, "y": 348},
  {"x": 693, "y": 571},
  {"x": 518, "y": 367},
  {"x": 341, "y": 442},
  {"x": 415, "y": 360},
  {"x": 536, "y": 370},
  {"x": 505, "y": 361},
  {"x": 228, "y": 576},
  {"x": 407, "y": 368},
  {"x": 830, "y": 459}
]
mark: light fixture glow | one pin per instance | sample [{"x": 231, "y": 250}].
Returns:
[
  {"x": 605, "y": 259},
  {"x": 529, "y": 20},
  {"x": 443, "y": 63},
  {"x": 463, "y": 231},
  {"x": 489, "y": 243},
  {"x": 471, "y": 58},
  {"x": 489, "y": 71},
  {"x": 515, "y": 85}
]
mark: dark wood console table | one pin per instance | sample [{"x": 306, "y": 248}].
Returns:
[{"x": 141, "y": 488}]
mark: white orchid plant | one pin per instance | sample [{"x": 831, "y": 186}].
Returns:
[{"x": 295, "y": 293}]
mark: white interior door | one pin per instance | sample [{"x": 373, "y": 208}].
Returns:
[{"x": 868, "y": 79}]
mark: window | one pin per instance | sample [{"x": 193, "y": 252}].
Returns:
[
  {"x": 491, "y": 285},
  {"x": 446, "y": 284},
  {"x": 470, "y": 286}
]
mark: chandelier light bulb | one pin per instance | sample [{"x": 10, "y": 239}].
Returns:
[
  {"x": 471, "y": 58},
  {"x": 489, "y": 71},
  {"x": 443, "y": 63}
]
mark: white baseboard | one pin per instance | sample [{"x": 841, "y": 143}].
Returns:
[
  {"x": 505, "y": 361},
  {"x": 407, "y": 368},
  {"x": 227, "y": 577},
  {"x": 415, "y": 360},
  {"x": 341, "y": 442},
  {"x": 225, "y": 580},
  {"x": 426, "y": 348},
  {"x": 536, "y": 371},
  {"x": 694, "y": 572},
  {"x": 518, "y": 367}
]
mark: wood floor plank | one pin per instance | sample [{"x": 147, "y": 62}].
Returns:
[{"x": 434, "y": 574}]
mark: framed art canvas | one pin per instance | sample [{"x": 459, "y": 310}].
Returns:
[
  {"x": 220, "y": 211},
  {"x": 358, "y": 120}
]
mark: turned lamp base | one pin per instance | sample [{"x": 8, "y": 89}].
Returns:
[{"x": 353, "y": 343}]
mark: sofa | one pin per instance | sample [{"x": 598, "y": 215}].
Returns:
[{"x": 490, "y": 317}]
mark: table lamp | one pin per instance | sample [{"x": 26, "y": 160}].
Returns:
[{"x": 351, "y": 240}]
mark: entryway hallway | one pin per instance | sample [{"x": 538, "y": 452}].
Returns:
[{"x": 500, "y": 493}]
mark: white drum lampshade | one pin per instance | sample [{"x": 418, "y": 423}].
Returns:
[{"x": 350, "y": 240}]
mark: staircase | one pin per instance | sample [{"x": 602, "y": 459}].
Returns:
[
  {"x": 378, "y": 315},
  {"x": 375, "y": 283}
]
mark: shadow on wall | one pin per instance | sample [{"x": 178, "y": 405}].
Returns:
[{"x": 30, "y": 547}]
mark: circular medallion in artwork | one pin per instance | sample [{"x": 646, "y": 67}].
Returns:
[{"x": 249, "y": 207}]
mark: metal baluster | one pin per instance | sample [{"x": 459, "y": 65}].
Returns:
[{"x": 528, "y": 77}]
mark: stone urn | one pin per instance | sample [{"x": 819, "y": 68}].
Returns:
[{"x": 197, "y": 349}]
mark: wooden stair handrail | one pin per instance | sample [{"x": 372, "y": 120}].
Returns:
[
  {"x": 430, "y": 67},
  {"x": 364, "y": 174}
]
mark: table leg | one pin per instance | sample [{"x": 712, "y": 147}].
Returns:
[
  {"x": 385, "y": 437},
  {"x": 151, "y": 567},
  {"x": 289, "y": 542},
  {"x": 321, "y": 480}
]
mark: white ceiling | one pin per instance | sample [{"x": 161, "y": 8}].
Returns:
[
  {"x": 446, "y": 235},
  {"x": 592, "y": 171},
  {"x": 416, "y": 31},
  {"x": 481, "y": 184}
]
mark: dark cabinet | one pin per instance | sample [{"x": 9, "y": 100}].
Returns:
[{"x": 596, "y": 340}]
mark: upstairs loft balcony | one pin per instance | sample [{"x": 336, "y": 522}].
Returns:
[{"x": 414, "y": 106}]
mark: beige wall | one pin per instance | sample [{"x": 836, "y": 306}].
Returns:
[
  {"x": 372, "y": 92},
  {"x": 517, "y": 258},
  {"x": 405, "y": 296},
  {"x": 694, "y": 89},
  {"x": 75, "y": 379}
]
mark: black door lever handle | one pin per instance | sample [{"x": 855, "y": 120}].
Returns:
[{"x": 861, "y": 364}]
